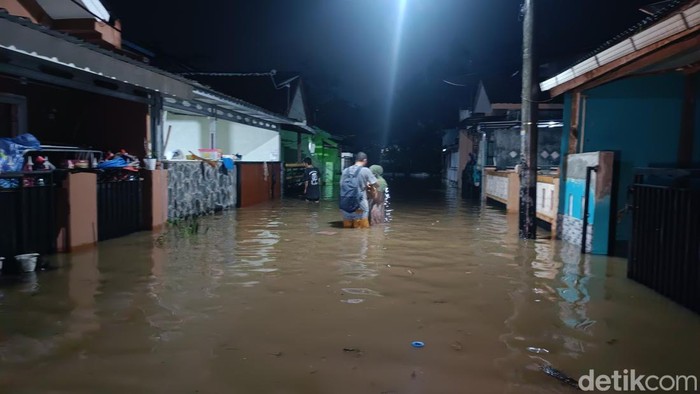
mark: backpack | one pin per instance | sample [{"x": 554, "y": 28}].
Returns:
[{"x": 350, "y": 192}]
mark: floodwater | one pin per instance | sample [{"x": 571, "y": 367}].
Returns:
[{"x": 275, "y": 299}]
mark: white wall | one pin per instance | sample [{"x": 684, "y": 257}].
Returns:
[
  {"x": 188, "y": 133},
  {"x": 453, "y": 174},
  {"x": 253, "y": 143}
]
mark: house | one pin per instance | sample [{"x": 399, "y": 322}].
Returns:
[
  {"x": 497, "y": 99},
  {"x": 282, "y": 94},
  {"x": 631, "y": 140},
  {"x": 79, "y": 99},
  {"x": 65, "y": 78},
  {"x": 482, "y": 153}
]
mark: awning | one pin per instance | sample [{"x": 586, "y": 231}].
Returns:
[
  {"x": 23, "y": 42},
  {"x": 23, "y": 36},
  {"x": 215, "y": 98}
]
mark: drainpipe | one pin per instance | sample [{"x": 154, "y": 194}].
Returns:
[
  {"x": 483, "y": 153},
  {"x": 685, "y": 140},
  {"x": 212, "y": 133},
  {"x": 298, "y": 147},
  {"x": 155, "y": 112},
  {"x": 582, "y": 137},
  {"x": 584, "y": 230}
]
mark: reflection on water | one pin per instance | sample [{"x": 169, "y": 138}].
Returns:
[{"x": 276, "y": 298}]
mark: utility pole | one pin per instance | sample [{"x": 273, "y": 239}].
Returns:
[{"x": 528, "y": 132}]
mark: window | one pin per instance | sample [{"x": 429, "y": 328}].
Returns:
[{"x": 13, "y": 115}]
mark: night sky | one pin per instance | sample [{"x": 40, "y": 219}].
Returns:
[{"x": 345, "y": 50}]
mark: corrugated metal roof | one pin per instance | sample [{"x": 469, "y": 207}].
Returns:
[
  {"x": 669, "y": 8},
  {"x": 72, "y": 39},
  {"x": 258, "y": 89},
  {"x": 678, "y": 17},
  {"x": 251, "y": 109}
]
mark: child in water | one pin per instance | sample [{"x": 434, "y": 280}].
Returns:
[{"x": 380, "y": 197}]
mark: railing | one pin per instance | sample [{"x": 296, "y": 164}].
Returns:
[
  {"x": 27, "y": 213},
  {"x": 665, "y": 244},
  {"x": 119, "y": 203}
]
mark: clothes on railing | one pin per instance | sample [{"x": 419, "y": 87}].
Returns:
[
  {"x": 12, "y": 151},
  {"x": 119, "y": 161}
]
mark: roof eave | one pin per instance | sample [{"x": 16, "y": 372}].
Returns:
[{"x": 668, "y": 31}]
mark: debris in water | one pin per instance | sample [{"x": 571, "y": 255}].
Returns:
[
  {"x": 356, "y": 351},
  {"x": 612, "y": 341},
  {"x": 410, "y": 272},
  {"x": 276, "y": 354},
  {"x": 560, "y": 376},
  {"x": 586, "y": 324},
  {"x": 538, "y": 350},
  {"x": 327, "y": 232},
  {"x": 457, "y": 346},
  {"x": 353, "y": 301},
  {"x": 360, "y": 291},
  {"x": 413, "y": 375},
  {"x": 417, "y": 344}
]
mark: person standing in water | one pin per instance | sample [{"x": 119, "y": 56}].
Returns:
[
  {"x": 356, "y": 182},
  {"x": 377, "y": 211},
  {"x": 312, "y": 188}
]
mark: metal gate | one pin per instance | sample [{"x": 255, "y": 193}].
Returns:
[
  {"x": 119, "y": 203},
  {"x": 665, "y": 244},
  {"x": 27, "y": 213}
]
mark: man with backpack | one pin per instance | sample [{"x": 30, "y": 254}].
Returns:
[{"x": 355, "y": 182}]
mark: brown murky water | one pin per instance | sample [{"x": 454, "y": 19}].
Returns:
[{"x": 269, "y": 300}]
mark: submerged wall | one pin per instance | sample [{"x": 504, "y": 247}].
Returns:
[
  {"x": 195, "y": 188},
  {"x": 638, "y": 118},
  {"x": 598, "y": 197},
  {"x": 257, "y": 183}
]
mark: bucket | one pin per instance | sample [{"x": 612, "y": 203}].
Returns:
[
  {"x": 27, "y": 261},
  {"x": 150, "y": 164}
]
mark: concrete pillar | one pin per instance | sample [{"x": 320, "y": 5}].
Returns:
[
  {"x": 155, "y": 208},
  {"x": 80, "y": 211}
]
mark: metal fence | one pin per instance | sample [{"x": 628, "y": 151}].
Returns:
[
  {"x": 665, "y": 244},
  {"x": 27, "y": 213},
  {"x": 119, "y": 203}
]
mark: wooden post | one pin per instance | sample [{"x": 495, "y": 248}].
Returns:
[
  {"x": 575, "y": 119},
  {"x": 298, "y": 147}
]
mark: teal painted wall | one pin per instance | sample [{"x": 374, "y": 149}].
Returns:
[
  {"x": 566, "y": 117},
  {"x": 696, "y": 136},
  {"x": 639, "y": 118}
]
